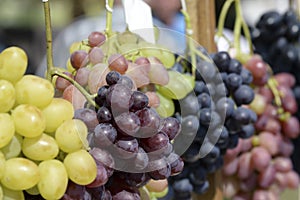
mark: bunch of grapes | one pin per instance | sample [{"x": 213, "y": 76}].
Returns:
[
  {"x": 42, "y": 147},
  {"x": 260, "y": 166},
  {"x": 130, "y": 128},
  {"x": 214, "y": 116},
  {"x": 280, "y": 50}
]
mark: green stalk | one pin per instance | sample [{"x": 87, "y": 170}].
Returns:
[
  {"x": 191, "y": 47},
  {"x": 109, "y": 5},
  {"x": 237, "y": 28},
  {"x": 244, "y": 27},
  {"x": 248, "y": 36},
  {"x": 222, "y": 17},
  {"x": 88, "y": 97},
  {"x": 48, "y": 30}
]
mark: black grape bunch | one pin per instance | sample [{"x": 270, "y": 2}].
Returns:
[{"x": 215, "y": 116}]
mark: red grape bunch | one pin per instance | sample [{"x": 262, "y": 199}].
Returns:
[{"x": 260, "y": 166}]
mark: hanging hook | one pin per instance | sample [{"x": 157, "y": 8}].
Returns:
[
  {"x": 183, "y": 5},
  {"x": 107, "y": 7}
]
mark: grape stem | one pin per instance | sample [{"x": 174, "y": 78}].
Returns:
[
  {"x": 191, "y": 46},
  {"x": 89, "y": 98},
  {"x": 272, "y": 84},
  {"x": 48, "y": 38},
  {"x": 108, "y": 6},
  {"x": 222, "y": 18},
  {"x": 239, "y": 25}
]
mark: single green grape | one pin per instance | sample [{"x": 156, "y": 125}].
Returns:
[
  {"x": 58, "y": 111},
  {"x": 43, "y": 147},
  {"x": 29, "y": 120},
  {"x": 178, "y": 86},
  {"x": 7, "y": 96},
  {"x": 20, "y": 174},
  {"x": 54, "y": 179},
  {"x": 160, "y": 194},
  {"x": 11, "y": 194},
  {"x": 34, "y": 90},
  {"x": 81, "y": 167},
  {"x": 13, "y": 64},
  {"x": 33, "y": 191},
  {"x": 2, "y": 165},
  {"x": 13, "y": 148},
  {"x": 7, "y": 129},
  {"x": 166, "y": 106},
  {"x": 127, "y": 37},
  {"x": 71, "y": 135}
]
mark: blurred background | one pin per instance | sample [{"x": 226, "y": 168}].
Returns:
[{"x": 22, "y": 22}]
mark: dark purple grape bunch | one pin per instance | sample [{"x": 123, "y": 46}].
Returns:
[
  {"x": 214, "y": 117},
  {"x": 133, "y": 133}
]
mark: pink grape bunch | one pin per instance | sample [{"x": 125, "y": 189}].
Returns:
[{"x": 260, "y": 167}]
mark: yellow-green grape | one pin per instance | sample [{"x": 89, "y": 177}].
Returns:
[
  {"x": 34, "y": 90},
  {"x": 70, "y": 68},
  {"x": 189, "y": 81},
  {"x": 33, "y": 191},
  {"x": 58, "y": 111},
  {"x": 81, "y": 167},
  {"x": 7, "y": 129},
  {"x": 43, "y": 147},
  {"x": 29, "y": 120},
  {"x": 127, "y": 37},
  {"x": 7, "y": 96},
  {"x": 166, "y": 106},
  {"x": 164, "y": 55},
  {"x": 10, "y": 194},
  {"x": 177, "y": 87},
  {"x": 2, "y": 165},
  {"x": 13, "y": 64},
  {"x": 54, "y": 179},
  {"x": 167, "y": 58},
  {"x": 20, "y": 174},
  {"x": 160, "y": 194},
  {"x": 74, "y": 47},
  {"x": 13, "y": 148},
  {"x": 71, "y": 135},
  {"x": 157, "y": 186},
  {"x": 144, "y": 193}
]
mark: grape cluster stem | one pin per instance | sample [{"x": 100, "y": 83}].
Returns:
[
  {"x": 192, "y": 51},
  {"x": 51, "y": 70},
  {"x": 239, "y": 25}
]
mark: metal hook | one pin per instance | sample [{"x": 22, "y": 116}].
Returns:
[
  {"x": 183, "y": 5},
  {"x": 107, "y": 7}
]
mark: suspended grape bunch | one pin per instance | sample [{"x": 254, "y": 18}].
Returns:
[
  {"x": 281, "y": 51},
  {"x": 213, "y": 116},
  {"x": 256, "y": 167}
]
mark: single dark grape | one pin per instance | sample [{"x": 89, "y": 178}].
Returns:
[
  {"x": 171, "y": 126},
  {"x": 204, "y": 100},
  {"x": 222, "y": 60},
  {"x": 138, "y": 101},
  {"x": 112, "y": 77},
  {"x": 243, "y": 95},
  {"x": 104, "y": 135},
  {"x": 104, "y": 115},
  {"x": 235, "y": 66},
  {"x": 100, "y": 99}
]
